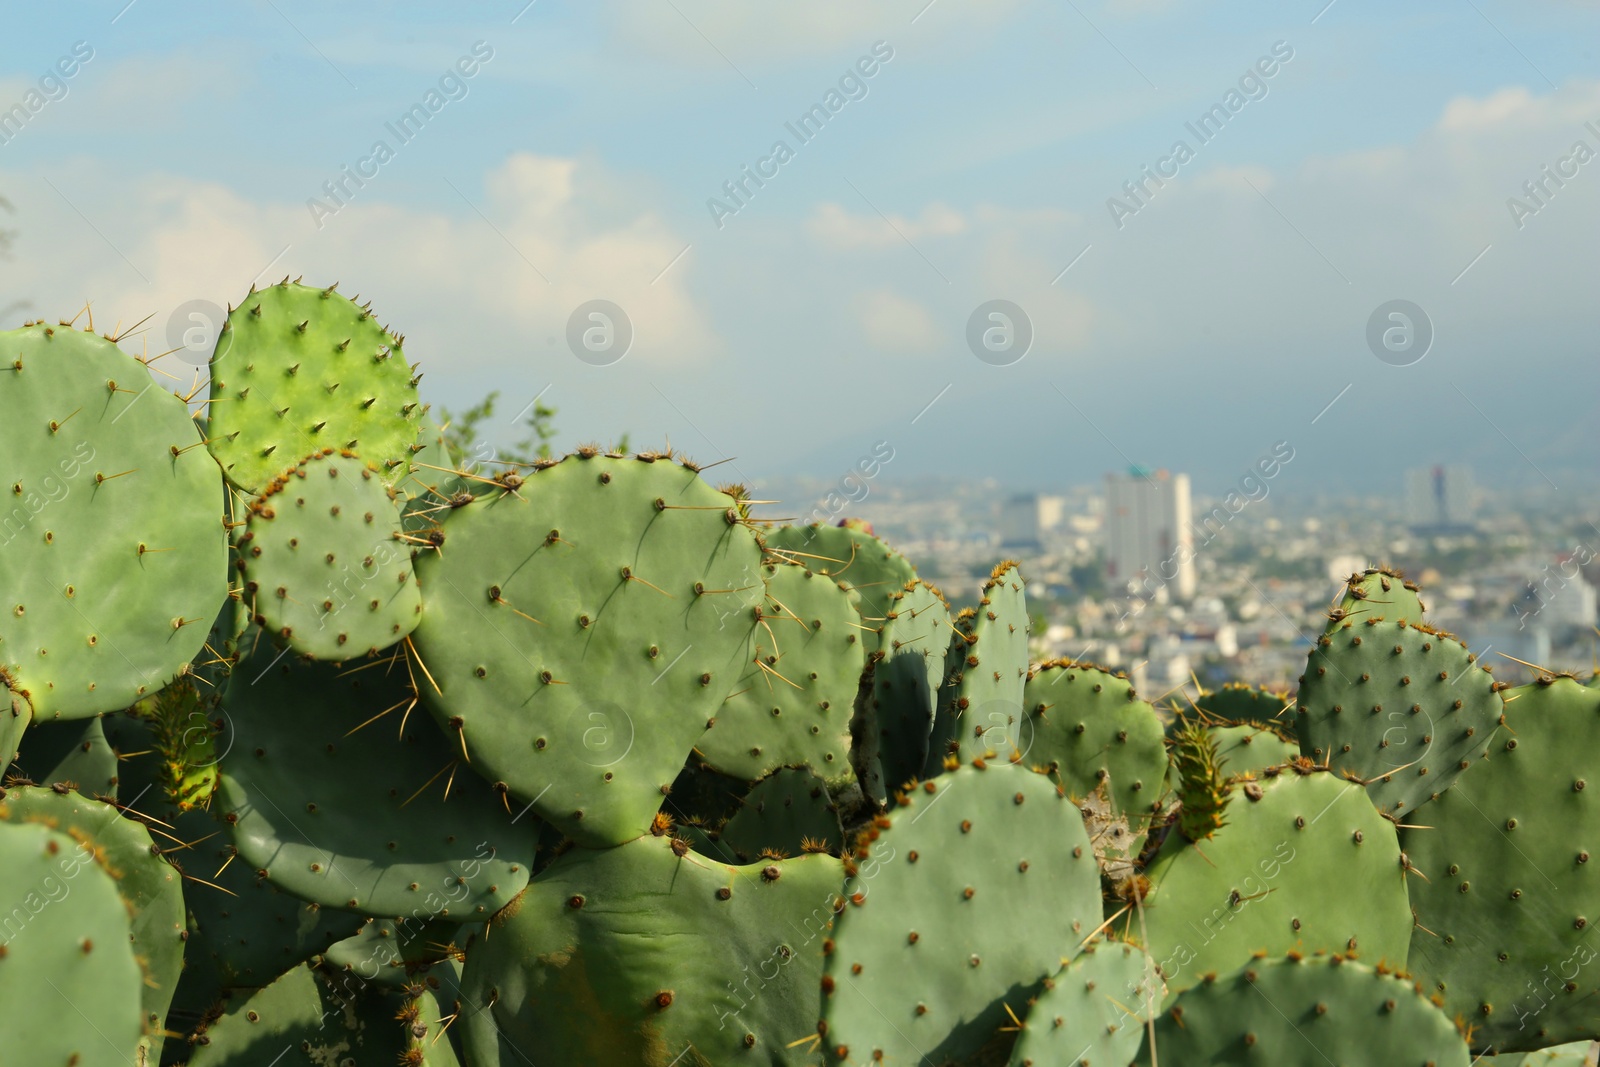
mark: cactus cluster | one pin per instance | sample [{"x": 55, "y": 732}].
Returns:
[{"x": 322, "y": 749}]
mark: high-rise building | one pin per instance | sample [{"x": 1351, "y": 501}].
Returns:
[
  {"x": 1026, "y": 516},
  {"x": 1439, "y": 498},
  {"x": 1149, "y": 543}
]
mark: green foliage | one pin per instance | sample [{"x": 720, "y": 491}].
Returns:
[{"x": 465, "y": 434}]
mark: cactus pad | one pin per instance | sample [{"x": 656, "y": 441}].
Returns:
[
  {"x": 792, "y": 705},
  {"x": 988, "y": 671},
  {"x": 1312, "y": 1012},
  {"x": 298, "y": 369},
  {"x": 639, "y": 955},
  {"x": 1240, "y": 703},
  {"x": 906, "y": 681},
  {"x": 786, "y": 813},
  {"x": 113, "y": 558},
  {"x": 1511, "y": 887},
  {"x": 1403, "y": 707},
  {"x": 579, "y": 633},
  {"x": 69, "y": 982},
  {"x": 326, "y": 795},
  {"x": 307, "y": 1019},
  {"x": 149, "y": 885},
  {"x": 1378, "y": 593},
  {"x": 851, "y": 555},
  {"x": 967, "y": 897},
  {"x": 1093, "y": 1013},
  {"x": 1304, "y": 863},
  {"x": 325, "y": 561},
  {"x": 1088, "y": 725}
]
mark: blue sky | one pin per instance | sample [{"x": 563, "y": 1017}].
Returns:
[{"x": 831, "y": 310}]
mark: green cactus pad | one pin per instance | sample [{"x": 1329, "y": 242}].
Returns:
[
  {"x": 851, "y": 555},
  {"x": 243, "y": 930},
  {"x": 89, "y": 766},
  {"x": 325, "y": 562},
  {"x": 1512, "y": 891},
  {"x": 1087, "y": 725},
  {"x": 788, "y": 812},
  {"x": 1305, "y": 1013},
  {"x": 634, "y": 954},
  {"x": 982, "y": 706},
  {"x": 1093, "y": 1013},
  {"x": 792, "y": 704},
  {"x": 1240, "y": 703},
  {"x": 897, "y": 714},
  {"x": 1251, "y": 749},
  {"x": 1403, "y": 707},
  {"x": 1304, "y": 863},
  {"x": 363, "y": 818},
  {"x": 1575, "y": 1054},
  {"x": 967, "y": 897},
  {"x": 306, "y": 1019},
  {"x": 298, "y": 369},
  {"x": 372, "y": 954},
  {"x": 69, "y": 983},
  {"x": 1378, "y": 593},
  {"x": 152, "y": 889},
  {"x": 581, "y": 631},
  {"x": 15, "y": 715},
  {"x": 113, "y": 558}
]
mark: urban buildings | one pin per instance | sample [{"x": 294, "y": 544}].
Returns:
[
  {"x": 1440, "y": 499},
  {"x": 1148, "y": 541}
]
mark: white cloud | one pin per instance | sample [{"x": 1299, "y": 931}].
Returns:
[
  {"x": 894, "y": 323},
  {"x": 459, "y": 289},
  {"x": 835, "y": 227}
]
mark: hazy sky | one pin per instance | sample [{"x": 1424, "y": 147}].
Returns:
[{"x": 825, "y": 310}]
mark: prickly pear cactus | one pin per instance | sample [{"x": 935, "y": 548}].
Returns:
[
  {"x": 1304, "y": 1012},
  {"x": 967, "y": 897},
  {"x": 792, "y": 704},
  {"x": 581, "y": 629},
  {"x": 325, "y": 562},
  {"x": 150, "y": 886},
  {"x": 306, "y": 1018},
  {"x": 113, "y": 559},
  {"x": 89, "y": 766},
  {"x": 1236, "y": 703},
  {"x": 785, "y": 814},
  {"x": 850, "y": 555},
  {"x": 15, "y": 715},
  {"x": 1403, "y": 708},
  {"x": 1251, "y": 749},
  {"x": 298, "y": 369},
  {"x": 1202, "y": 782},
  {"x": 650, "y": 954},
  {"x": 1303, "y": 863},
  {"x": 1511, "y": 891},
  {"x": 1380, "y": 593},
  {"x": 1088, "y": 726},
  {"x": 1094, "y": 1012},
  {"x": 347, "y": 795},
  {"x": 897, "y": 712},
  {"x": 70, "y": 984},
  {"x": 981, "y": 710}
]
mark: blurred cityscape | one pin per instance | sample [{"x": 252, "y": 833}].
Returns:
[{"x": 1140, "y": 573}]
